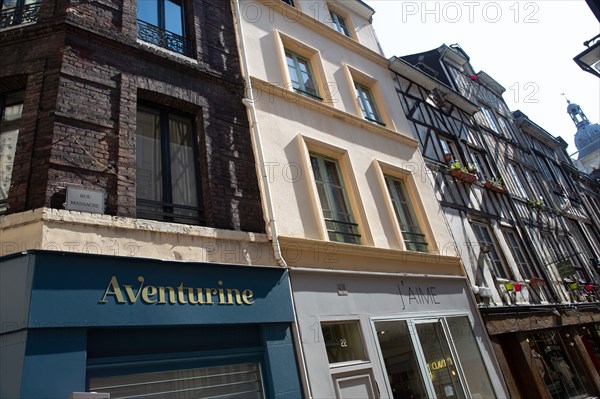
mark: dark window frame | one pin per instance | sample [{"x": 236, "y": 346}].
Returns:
[
  {"x": 493, "y": 251},
  {"x": 159, "y": 35},
  {"x": 21, "y": 13},
  {"x": 343, "y": 231},
  {"x": 168, "y": 215},
  {"x": 412, "y": 235},
  {"x": 519, "y": 255}
]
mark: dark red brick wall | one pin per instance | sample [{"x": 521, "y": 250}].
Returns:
[{"x": 84, "y": 71}]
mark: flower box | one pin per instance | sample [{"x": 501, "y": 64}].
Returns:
[
  {"x": 573, "y": 286},
  {"x": 495, "y": 187},
  {"x": 464, "y": 176},
  {"x": 518, "y": 287},
  {"x": 536, "y": 282}
]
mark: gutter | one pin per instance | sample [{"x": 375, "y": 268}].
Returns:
[{"x": 249, "y": 102}]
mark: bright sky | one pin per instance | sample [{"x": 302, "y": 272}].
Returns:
[{"x": 526, "y": 46}]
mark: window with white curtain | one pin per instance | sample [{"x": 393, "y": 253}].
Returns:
[
  {"x": 167, "y": 186},
  {"x": 11, "y": 106}
]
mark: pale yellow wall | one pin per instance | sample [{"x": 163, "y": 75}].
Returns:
[
  {"x": 266, "y": 60},
  {"x": 291, "y": 125},
  {"x": 290, "y": 130},
  {"x": 361, "y": 29}
]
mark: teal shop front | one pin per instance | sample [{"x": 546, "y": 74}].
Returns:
[{"x": 143, "y": 328}]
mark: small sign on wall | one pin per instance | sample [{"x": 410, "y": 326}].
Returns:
[{"x": 85, "y": 199}]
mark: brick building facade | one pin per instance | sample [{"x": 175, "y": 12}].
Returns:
[
  {"x": 84, "y": 68},
  {"x": 137, "y": 108}
]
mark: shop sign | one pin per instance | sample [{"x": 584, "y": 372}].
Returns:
[
  {"x": 179, "y": 295},
  {"x": 418, "y": 295},
  {"x": 439, "y": 364},
  {"x": 85, "y": 199},
  {"x": 565, "y": 268}
]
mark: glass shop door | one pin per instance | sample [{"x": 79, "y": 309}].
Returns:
[{"x": 421, "y": 360}]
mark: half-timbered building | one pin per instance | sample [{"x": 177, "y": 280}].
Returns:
[{"x": 511, "y": 197}]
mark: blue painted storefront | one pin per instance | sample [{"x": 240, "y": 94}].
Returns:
[{"x": 68, "y": 317}]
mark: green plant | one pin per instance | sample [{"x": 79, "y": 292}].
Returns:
[
  {"x": 534, "y": 202},
  {"x": 472, "y": 168},
  {"x": 499, "y": 182},
  {"x": 455, "y": 165}
]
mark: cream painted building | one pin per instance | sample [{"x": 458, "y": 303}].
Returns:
[
  {"x": 383, "y": 306},
  {"x": 133, "y": 247}
]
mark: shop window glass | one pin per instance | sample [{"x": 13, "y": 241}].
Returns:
[
  {"x": 230, "y": 381},
  {"x": 470, "y": 358},
  {"x": 334, "y": 200},
  {"x": 558, "y": 364},
  {"x": 11, "y": 107},
  {"x": 400, "y": 359},
  {"x": 433, "y": 358},
  {"x": 343, "y": 342},
  {"x": 441, "y": 365}
]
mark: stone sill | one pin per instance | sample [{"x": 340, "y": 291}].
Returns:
[{"x": 118, "y": 222}]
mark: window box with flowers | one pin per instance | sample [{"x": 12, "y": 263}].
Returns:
[
  {"x": 534, "y": 203},
  {"x": 496, "y": 185},
  {"x": 462, "y": 173}
]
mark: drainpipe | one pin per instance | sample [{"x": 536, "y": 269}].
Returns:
[{"x": 249, "y": 102}]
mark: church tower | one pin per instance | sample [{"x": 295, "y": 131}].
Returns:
[{"x": 587, "y": 140}]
